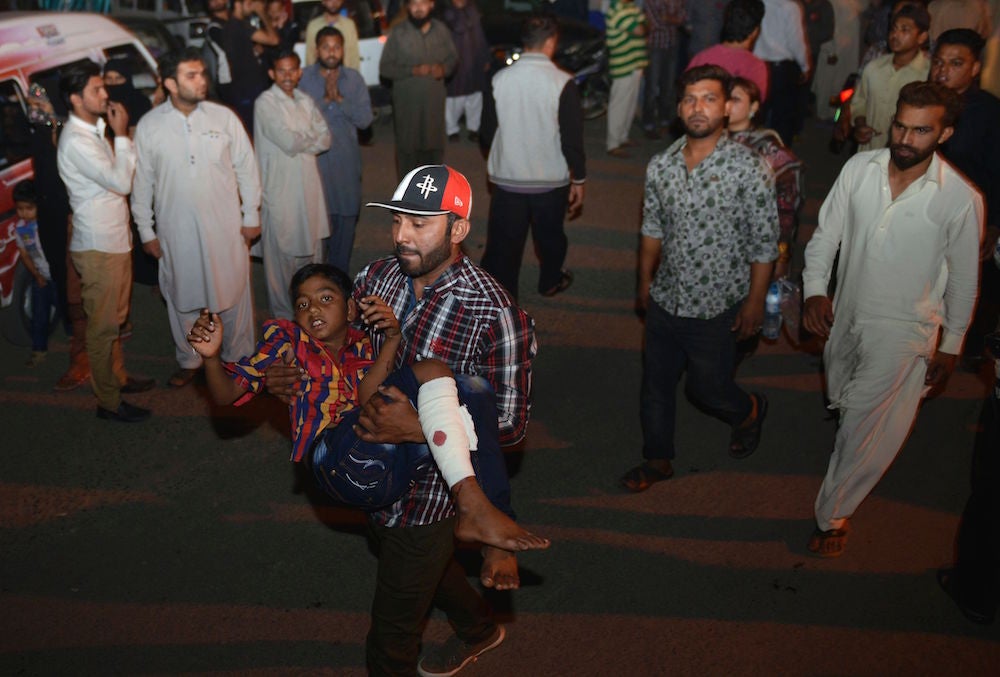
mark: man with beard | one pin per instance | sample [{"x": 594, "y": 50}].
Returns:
[
  {"x": 331, "y": 17},
  {"x": 453, "y": 311},
  {"x": 341, "y": 95},
  {"x": 974, "y": 149},
  {"x": 907, "y": 226},
  {"x": 708, "y": 245},
  {"x": 195, "y": 199},
  {"x": 418, "y": 56}
]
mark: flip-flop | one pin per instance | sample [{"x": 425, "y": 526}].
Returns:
[{"x": 643, "y": 476}]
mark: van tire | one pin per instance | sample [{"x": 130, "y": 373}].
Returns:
[{"x": 15, "y": 319}]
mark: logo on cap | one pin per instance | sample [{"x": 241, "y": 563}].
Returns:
[{"x": 427, "y": 187}]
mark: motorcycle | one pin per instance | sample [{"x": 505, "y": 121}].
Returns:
[
  {"x": 585, "y": 58},
  {"x": 588, "y": 62}
]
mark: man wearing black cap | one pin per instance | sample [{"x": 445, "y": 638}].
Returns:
[{"x": 451, "y": 310}]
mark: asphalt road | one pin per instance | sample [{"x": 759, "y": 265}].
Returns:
[{"x": 190, "y": 545}]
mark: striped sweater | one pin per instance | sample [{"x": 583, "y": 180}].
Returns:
[{"x": 626, "y": 39}]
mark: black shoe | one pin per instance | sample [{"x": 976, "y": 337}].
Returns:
[
  {"x": 453, "y": 137},
  {"x": 565, "y": 280},
  {"x": 474, "y": 137},
  {"x": 138, "y": 385},
  {"x": 125, "y": 413},
  {"x": 947, "y": 580}
]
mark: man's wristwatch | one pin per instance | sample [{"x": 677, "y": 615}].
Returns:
[{"x": 784, "y": 252}]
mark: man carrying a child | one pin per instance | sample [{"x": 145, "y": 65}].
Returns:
[{"x": 450, "y": 310}]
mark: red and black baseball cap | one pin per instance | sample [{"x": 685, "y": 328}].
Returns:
[{"x": 429, "y": 191}]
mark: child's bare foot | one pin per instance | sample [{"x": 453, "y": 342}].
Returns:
[
  {"x": 479, "y": 520},
  {"x": 499, "y": 570}
]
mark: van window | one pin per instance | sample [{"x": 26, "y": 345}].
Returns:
[
  {"x": 15, "y": 133},
  {"x": 49, "y": 79},
  {"x": 143, "y": 77}
]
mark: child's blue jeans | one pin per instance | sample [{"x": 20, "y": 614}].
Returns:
[
  {"x": 42, "y": 301},
  {"x": 476, "y": 393}
]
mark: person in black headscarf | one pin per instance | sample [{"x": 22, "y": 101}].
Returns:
[{"x": 118, "y": 82}]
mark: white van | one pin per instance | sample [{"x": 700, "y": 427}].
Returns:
[{"x": 36, "y": 47}]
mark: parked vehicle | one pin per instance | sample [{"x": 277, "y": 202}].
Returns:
[
  {"x": 36, "y": 48},
  {"x": 153, "y": 33},
  {"x": 581, "y": 51}
]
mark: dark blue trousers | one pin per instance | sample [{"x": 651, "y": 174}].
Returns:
[{"x": 707, "y": 349}]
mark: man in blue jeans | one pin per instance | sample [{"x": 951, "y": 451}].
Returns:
[{"x": 709, "y": 241}]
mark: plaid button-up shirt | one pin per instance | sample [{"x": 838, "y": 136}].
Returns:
[
  {"x": 468, "y": 321},
  {"x": 663, "y": 34}
]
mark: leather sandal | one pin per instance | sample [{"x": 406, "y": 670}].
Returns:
[
  {"x": 827, "y": 544},
  {"x": 745, "y": 440},
  {"x": 643, "y": 476}
]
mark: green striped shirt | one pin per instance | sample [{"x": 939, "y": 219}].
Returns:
[{"x": 626, "y": 49}]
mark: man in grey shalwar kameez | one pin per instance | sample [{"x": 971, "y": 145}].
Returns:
[{"x": 417, "y": 58}]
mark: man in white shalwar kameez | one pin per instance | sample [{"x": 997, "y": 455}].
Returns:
[
  {"x": 195, "y": 200},
  {"x": 289, "y": 131},
  {"x": 908, "y": 228}
]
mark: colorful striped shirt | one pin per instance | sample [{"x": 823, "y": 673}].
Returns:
[
  {"x": 626, "y": 44},
  {"x": 332, "y": 388},
  {"x": 467, "y": 320}
]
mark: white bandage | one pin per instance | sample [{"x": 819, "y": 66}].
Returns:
[{"x": 448, "y": 428}]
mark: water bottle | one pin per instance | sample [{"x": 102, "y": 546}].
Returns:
[
  {"x": 772, "y": 312},
  {"x": 791, "y": 308}
]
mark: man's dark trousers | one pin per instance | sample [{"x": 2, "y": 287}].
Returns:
[
  {"x": 707, "y": 349},
  {"x": 416, "y": 569},
  {"x": 511, "y": 215},
  {"x": 783, "y": 108}
]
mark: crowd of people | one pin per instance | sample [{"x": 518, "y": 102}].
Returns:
[{"x": 428, "y": 350}]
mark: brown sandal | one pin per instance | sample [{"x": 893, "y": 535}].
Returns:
[{"x": 828, "y": 544}]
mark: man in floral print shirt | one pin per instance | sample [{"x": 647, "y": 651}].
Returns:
[{"x": 709, "y": 241}]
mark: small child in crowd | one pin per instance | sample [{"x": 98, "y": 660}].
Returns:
[
  {"x": 43, "y": 294},
  {"x": 344, "y": 374}
]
